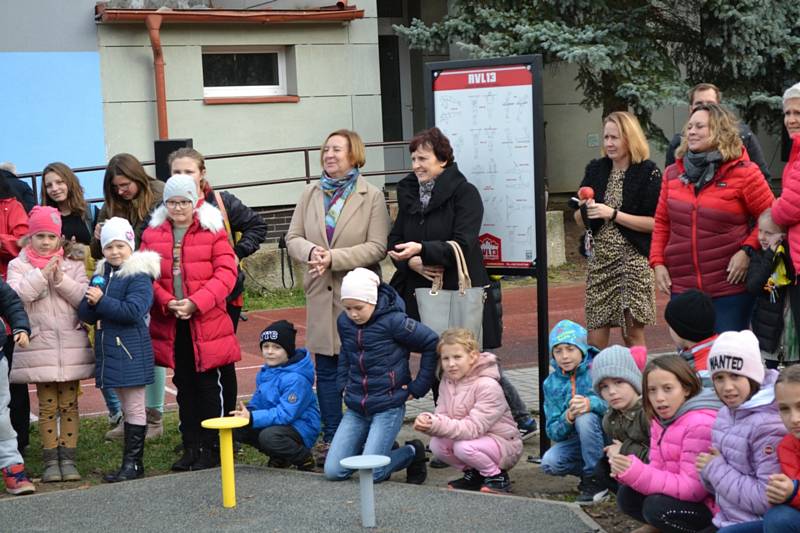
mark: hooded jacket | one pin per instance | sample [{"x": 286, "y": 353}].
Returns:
[
  {"x": 786, "y": 209},
  {"x": 122, "y": 347},
  {"x": 373, "y": 368},
  {"x": 475, "y": 407},
  {"x": 560, "y": 386},
  {"x": 697, "y": 232},
  {"x": 767, "y": 321},
  {"x": 631, "y": 428},
  {"x": 284, "y": 396},
  {"x": 59, "y": 347},
  {"x": 674, "y": 445},
  {"x": 13, "y": 226},
  {"x": 747, "y": 439},
  {"x": 208, "y": 274}
]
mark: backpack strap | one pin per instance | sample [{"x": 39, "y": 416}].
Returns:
[{"x": 221, "y": 207}]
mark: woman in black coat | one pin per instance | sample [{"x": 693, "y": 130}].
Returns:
[{"x": 437, "y": 204}]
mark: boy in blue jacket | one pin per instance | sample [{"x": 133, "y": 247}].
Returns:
[
  {"x": 574, "y": 412},
  {"x": 283, "y": 412}
]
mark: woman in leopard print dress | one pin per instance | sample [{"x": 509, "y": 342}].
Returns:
[{"x": 619, "y": 285}]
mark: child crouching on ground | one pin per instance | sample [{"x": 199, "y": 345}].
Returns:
[
  {"x": 283, "y": 413},
  {"x": 377, "y": 339},
  {"x": 769, "y": 278},
  {"x": 51, "y": 286},
  {"x": 472, "y": 428},
  {"x": 574, "y": 412},
  {"x": 691, "y": 317},
  {"x": 746, "y": 433},
  {"x": 618, "y": 380}
]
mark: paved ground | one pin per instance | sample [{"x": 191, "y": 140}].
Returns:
[
  {"x": 283, "y": 501},
  {"x": 518, "y": 351}
]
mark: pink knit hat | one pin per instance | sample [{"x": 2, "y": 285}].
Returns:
[
  {"x": 737, "y": 352},
  {"x": 44, "y": 219},
  {"x": 361, "y": 284}
]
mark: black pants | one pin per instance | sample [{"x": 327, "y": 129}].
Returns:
[
  {"x": 602, "y": 473},
  {"x": 200, "y": 394},
  {"x": 20, "y": 404},
  {"x": 665, "y": 513},
  {"x": 278, "y": 442}
]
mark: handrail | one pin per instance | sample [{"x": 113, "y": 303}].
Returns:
[{"x": 306, "y": 150}]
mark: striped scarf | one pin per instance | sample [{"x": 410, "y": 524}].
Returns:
[{"x": 335, "y": 193}]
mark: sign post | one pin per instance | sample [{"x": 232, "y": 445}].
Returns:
[{"x": 492, "y": 112}]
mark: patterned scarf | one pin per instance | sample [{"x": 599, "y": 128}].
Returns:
[
  {"x": 335, "y": 193},
  {"x": 425, "y": 192},
  {"x": 700, "y": 167}
]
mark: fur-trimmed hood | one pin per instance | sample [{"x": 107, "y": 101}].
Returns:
[
  {"x": 207, "y": 215},
  {"x": 144, "y": 262}
]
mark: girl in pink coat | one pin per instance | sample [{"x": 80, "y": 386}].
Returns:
[
  {"x": 667, "y": 493},
  {"x": 59, "y": 355},
  {"x": 472, "y": 428}
]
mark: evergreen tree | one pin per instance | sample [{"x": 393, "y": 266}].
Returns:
[{"x": 639, "y": 54}]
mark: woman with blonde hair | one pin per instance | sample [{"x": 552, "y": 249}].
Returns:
[
  {"x": 339, "y": 224},
  {"x": 705, "y": 226},
  {"x": 619, "y": 282}
]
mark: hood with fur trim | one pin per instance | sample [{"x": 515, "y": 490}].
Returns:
[
  {"x": 206, "y": 214},
  {"x": 144, "y": 262}
]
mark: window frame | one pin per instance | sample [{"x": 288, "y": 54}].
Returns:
[{"x": 249, "y": 91}]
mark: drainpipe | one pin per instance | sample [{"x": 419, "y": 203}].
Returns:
[{"x": 153, "y": 23}]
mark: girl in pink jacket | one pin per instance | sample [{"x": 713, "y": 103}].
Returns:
[
  {"x": 472, "y": 428},
  {"x": 59, "y": 355},
  {"x": 667, "y": 493}
]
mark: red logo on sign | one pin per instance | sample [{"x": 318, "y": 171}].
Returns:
[{"x": 491, "y": 247}]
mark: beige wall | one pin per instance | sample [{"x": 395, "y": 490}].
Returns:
[{"x": 337, "y": 80}]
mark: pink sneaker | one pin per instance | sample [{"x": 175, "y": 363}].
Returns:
[{"x": 16, "y": 481}]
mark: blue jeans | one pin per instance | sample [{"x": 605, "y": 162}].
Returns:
[
  {"x": 756, "y": 526},
  {"x": 733, "y": 312},
  {"x": 782, "y": 519},
  {"x": 330, "y": 400},
  {"x": 579, "y": 454},
  {"x": 112, "y": 401},
  {"x": 368, "y": 435}
]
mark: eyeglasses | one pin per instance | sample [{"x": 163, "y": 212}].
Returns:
[{"x": 178, "y": 204}]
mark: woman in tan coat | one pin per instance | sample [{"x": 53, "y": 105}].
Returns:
[{"x": 339, "y": 224}]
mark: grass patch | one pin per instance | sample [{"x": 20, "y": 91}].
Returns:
[
  {"x": 274, "y": 299},
  {"x": 97, "y": 456}
]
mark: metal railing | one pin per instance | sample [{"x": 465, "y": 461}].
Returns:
[{"x": 305, "y": 150}]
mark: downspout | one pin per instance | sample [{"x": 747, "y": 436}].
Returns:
[{"x": 153, "y": 23}]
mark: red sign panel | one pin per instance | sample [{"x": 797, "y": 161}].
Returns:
[{"x": 479, "y": 78}]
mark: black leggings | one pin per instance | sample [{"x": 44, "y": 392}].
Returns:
[{"x": 666, "y": 513}]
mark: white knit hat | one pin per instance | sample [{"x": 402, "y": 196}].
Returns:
[
  {"x": 117, "y": 229},
  {"x": 361, "y": 284},
  {"x": 181, "y": 186},
  {"x": 737, "y": 352},
  {"x": 792, "y": 92}
]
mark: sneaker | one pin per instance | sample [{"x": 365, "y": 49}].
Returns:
[
  {"x": 320, "y": 452},
  {"x": 16, "y": 481},
  {"x": 591, "y": 492},
  {"x": 274, "y": 462},
  {"x": 497, "y": 484},
  {"x": 115, "y": 419},
  {"x": 438, "y": 463},
  {"x": 308, "y": 464},
  {"x": 472, "y": 480},
  {"x": 528, "y": 428},
  {"x": 417, "y": 470}
]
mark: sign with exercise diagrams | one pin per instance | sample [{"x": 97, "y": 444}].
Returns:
[{"x": 489, "y": 112}]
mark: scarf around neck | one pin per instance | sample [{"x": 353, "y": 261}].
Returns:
[
  {"x": 38, "y": 260},
  {"x": 335, "y": 194},
  {"x": 425, "y": 192},
  {"x": 700, "y": 167}
]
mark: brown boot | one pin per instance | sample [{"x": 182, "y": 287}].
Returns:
[
  {"x": 155, "y": 424},
  {"x": 117, "y": 432},
  {"x": 52, "y": 472},
  {"x": 66, "y": 460}
]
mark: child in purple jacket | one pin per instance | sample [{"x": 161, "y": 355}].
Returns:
[{"x": 746, "y": 434}]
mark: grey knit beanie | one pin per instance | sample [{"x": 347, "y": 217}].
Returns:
[{"x": 616, "y": 362}]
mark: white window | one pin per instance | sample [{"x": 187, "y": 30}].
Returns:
[{"x": 244, "y": 71}]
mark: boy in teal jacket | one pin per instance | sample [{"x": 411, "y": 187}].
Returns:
[{"x": 574, "y": 412}]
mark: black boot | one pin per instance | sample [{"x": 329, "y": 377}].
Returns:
[
  {"x": 191, "y": 451},
  {"x": 132, "y": 465},
  {"x": 208, "y": 457},
  {"x": 417, "y": 471}
]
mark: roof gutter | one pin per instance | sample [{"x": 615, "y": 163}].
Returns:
[
  {"x": 153, "y": 23},
  {"x": 338, "y": 13}
]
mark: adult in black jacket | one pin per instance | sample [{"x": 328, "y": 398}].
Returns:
[
  {"x": 437, "y": 204},
  {"x": 770, "y": 278},
  {"x": 619, "y": 284},
  {"x": 21, "y": 190}
]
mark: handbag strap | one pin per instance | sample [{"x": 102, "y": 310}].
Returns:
[{"x": 464, "y": 281}]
